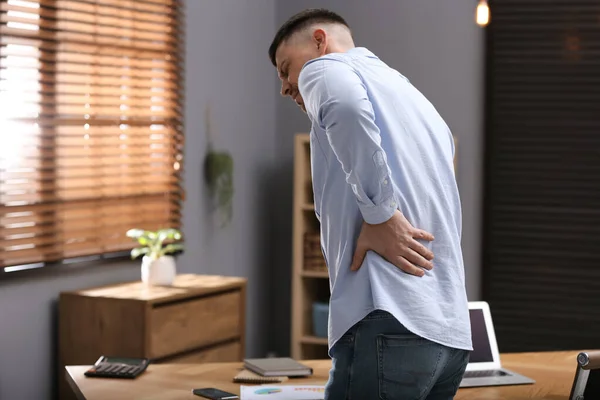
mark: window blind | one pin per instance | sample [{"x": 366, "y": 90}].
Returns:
[
  {"x": 542, "y": 218},
  {"x": 91, "y": 125}
]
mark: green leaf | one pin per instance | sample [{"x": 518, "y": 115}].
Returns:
[
  {"x": 144, "y": 237},
  {"x": 135, "y": 253},
  {"x": 170, "y": 233},
  {"x": 171, "y": 248},
  {"x": 135, "y": 233}
]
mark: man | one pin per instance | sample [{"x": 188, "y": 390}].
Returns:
[{"x": 381, "y": 157}]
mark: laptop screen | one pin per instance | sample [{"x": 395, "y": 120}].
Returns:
[{"x": 482, "y": 351}]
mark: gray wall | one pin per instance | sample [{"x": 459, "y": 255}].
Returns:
[
  {"x": 433, "y": 42},
  {"x": 227, "y": 69},
  {"x": 437, "y": 45},
  {"x": 223, "y": 67}
]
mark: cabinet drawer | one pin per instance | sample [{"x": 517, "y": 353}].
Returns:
[
  {"x": 228, "y": 352},
  {"x": 194, "y": 323}
]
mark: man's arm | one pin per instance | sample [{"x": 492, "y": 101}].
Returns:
[{"x": 336, "y": 99}]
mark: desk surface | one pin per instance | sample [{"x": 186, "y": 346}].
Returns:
[{"x": 553, "y": 372}]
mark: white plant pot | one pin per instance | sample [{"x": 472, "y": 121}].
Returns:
[{"x": 161, "y": 271}]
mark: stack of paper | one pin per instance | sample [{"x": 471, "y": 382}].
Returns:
[{"x": 283, "y": 392}]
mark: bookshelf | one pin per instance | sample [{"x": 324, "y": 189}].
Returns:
[{"x": 309, "y": 284}]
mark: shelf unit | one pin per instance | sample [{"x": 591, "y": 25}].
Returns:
[{"x": 307, "y": 285}]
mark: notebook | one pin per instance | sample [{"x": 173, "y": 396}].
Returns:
[
  {"x": 277, "y": 366},
  {"x": 246, "y": 376}
]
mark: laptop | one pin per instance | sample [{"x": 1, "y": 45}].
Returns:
[{"x": 484, "y": 368}]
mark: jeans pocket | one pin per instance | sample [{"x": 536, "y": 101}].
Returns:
[{"x": 406, "y": 366}]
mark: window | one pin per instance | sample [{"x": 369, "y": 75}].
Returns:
[{"x": 91, "y": 125}]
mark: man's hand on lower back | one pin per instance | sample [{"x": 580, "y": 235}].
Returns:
[{"x": 396, "y": 241}]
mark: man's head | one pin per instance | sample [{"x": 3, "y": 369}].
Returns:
[{"x": 305, "y": 36}]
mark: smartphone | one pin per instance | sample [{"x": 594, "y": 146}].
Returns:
[{"x": 214, "y": 394}]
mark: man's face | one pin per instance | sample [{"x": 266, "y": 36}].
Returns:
[{"x": 290, "y": 58}]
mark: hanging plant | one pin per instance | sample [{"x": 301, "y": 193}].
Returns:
[
  {"x": 219, "y": 176},
  {"x": 218, "y": 170}
]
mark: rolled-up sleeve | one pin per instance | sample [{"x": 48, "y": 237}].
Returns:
[{"x": 336, "y": 99}]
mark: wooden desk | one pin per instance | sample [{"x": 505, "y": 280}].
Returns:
[{"x": 553, "y": 372}]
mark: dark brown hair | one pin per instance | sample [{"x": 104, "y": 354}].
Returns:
[{"x": 300, "y": 21}]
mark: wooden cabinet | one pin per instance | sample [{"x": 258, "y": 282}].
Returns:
[{"x": 197, "y": 319}]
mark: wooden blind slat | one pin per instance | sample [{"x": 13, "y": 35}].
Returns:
[
  {"x": 48, "y": 164},
  {"x": 121, "y": 85},
  {"x": 68, "y": 227},
  {"x": 103, "y": 40},
  {"x": 139, "y": 6},
  {"x": 93, "y": 17},
  {"x": 18, "y": 236},
  {"x": 45, "y": 224},
  {"x": 129, "y": 45},
  {"x": 23, "y": 123},
  {"x": 92, "y": 50},
  {"x": 129, "y": 15},
  {"x": 139, "y": 201},
  {"x": 33, "y": 177},
  {"x": 85, "y": 26},
  {"x": 75, "y": 130},
  {"x": 93, "y": 226},
  {"x": 116, "y": 181},
  {"x": 88, "y": 70},
  {"x": 105, "y": 143},
  {"x": 52, "y": 232},
  {"x": 89, "y": 193},
  {"x": 92, "y": 137}
]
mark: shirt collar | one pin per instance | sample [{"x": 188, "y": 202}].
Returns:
[{"x": 362, "y": 51}]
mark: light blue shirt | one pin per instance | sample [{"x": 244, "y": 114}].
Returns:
[{"x": 377, "y": 145}]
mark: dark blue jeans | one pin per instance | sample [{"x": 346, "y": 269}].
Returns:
[{"x": 378, "y": 358}]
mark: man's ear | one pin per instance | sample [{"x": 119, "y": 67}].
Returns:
[{"x": 319, "y": 38}]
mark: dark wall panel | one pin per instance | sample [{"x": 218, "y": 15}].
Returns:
[{"x": 541, "y": 266}]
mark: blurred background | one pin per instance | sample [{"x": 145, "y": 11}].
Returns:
[{"x": 520, "y": 92}]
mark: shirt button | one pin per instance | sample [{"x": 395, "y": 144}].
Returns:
[
  {"x": 385, "y": 182},
  {"x": 392, "y": 204}
]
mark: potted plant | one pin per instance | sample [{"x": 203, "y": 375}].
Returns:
[{"x": 158, "y": 266}]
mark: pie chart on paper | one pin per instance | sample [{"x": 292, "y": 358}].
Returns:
[{"x": 267, "y": 391}]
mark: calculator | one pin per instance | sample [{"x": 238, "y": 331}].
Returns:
[{"x": 117, "y": 367}]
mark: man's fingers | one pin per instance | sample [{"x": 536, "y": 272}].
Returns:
[
  {"x": 421, "y": 250},
  {"x": 418, "y": 260},
  {"x": 407, "y": 267},
  {"x": 421, "y": 234},
  {"x": 359, "y": 256}
]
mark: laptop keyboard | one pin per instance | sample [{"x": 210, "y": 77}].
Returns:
[{"x": 484, "y": 374}]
